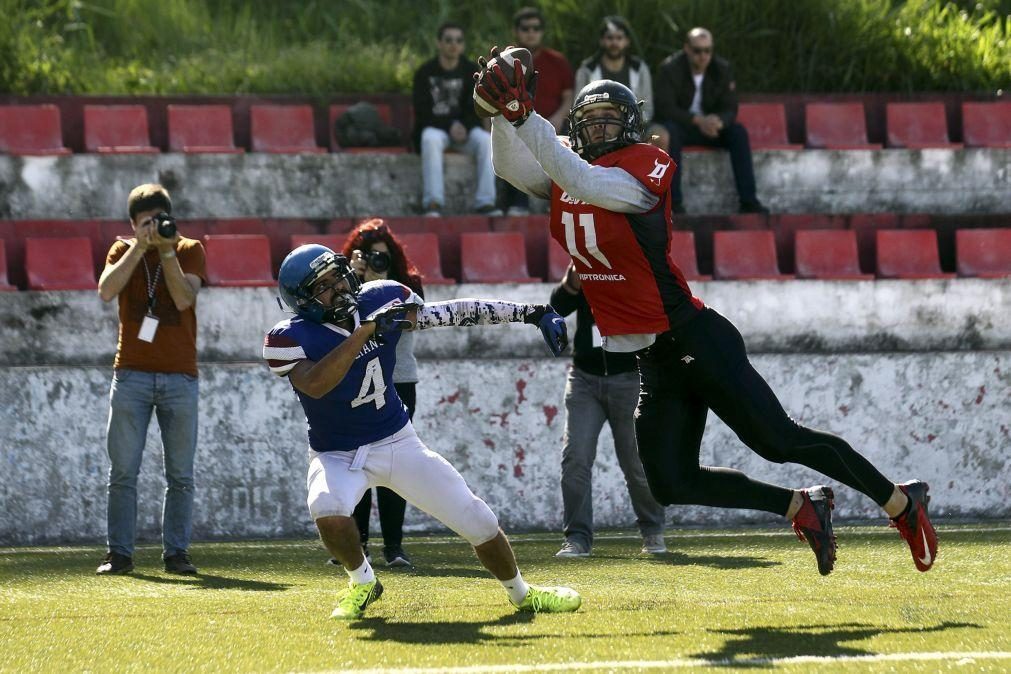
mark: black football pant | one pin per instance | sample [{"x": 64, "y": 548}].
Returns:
[
  {"x": 703, "y": 365},
  {"x": 391, "y": 505},
  {"x": 734, "y": 138}
]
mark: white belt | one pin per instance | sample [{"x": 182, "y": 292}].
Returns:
[{"x": 361, "y": 454}]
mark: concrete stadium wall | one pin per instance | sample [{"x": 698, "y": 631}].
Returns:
[
  {"x": 343, "y": 185},
  {"x": 76, "y": 328},
  {"x": 915, "y": 374},
  {"x": 941, "y": 417}
]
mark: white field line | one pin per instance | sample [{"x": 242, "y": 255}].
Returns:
[
  {"x": 961, "y": 658},
  {"x": 531, "y": 538}
]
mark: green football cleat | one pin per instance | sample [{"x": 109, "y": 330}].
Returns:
[
  {"x": 550, "y": 600},
  {"x": 351, "y": 603}
]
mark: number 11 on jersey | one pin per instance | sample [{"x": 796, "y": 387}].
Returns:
[{"x": 590, "y": 236}]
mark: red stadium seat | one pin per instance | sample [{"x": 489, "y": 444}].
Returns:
[
  {"x": 983, "y": 252},
  {"x": 918, "y": 125},
  {"x": 31, "y": 130},
  {"x": 865, "y": 226},
  {"x": 494, "y": 257},
  {"x": 59, "y": 264},
  {"x": 746, "y": 255},
  {"x": 117, "y": 129},
  {"x": 535, "y": 231},
  {"x": 283, "y": 129},
  {"x": 5, "y": 286},
  {"x": 448, "y": 229},
  {"x": 682, "y": 254},
  {"x": 332, "y": 241},
  {"x": 558, "y": 261},
  {"x": 785, "y": 225},
  {"x": 828, "y": 254},
  {"x": 384, "y": 112},
  {"x": 908, "y": 254},
  {"x": 837, "y": 126},
  {"x": 423, "y": 251},
  {"x": 201, "y": 129},
  {"x": 766, "y": 125},
  {"x": 238, "y": 260},
  {"x": 987, "y": 124}
]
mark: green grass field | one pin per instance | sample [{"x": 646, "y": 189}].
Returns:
[{"x": 731, "y": 599}]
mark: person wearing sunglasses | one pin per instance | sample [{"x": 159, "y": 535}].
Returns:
[
  {"x": 554, "y": 96},
  {"x": 696, "y": 100},
  {"x": 444, "y": 119}
]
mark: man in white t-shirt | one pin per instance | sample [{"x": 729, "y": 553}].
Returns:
[{"x": 696, "y": 100}]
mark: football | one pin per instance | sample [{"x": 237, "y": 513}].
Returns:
[{"x": 505, "y": 60}]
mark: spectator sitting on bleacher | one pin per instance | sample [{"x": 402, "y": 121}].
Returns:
[
  {"x": 612, "y": 61},
  {"x": 696, "y": 100},
  {"x": 554, "y": 94},
  {"x": 444, "y": 118}
]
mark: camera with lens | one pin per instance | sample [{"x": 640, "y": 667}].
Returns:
[
  {"x": 166, "y": 225},
  {"x": 377, "y": 260}
]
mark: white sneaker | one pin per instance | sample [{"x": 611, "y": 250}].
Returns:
[
  {"x": 517, "y": 211},
  {"x": 653, "y": 545},
  {"x": 573, "y": 549}
]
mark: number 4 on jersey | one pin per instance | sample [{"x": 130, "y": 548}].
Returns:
[
  {"x": 586, "y": 223},
  {"x": 373, "y": 387}
]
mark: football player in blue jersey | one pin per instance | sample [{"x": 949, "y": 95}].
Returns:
[{"x": 338, "y": 353}]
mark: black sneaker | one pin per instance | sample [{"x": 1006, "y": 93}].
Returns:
[
  {"x": 813, "y": 523},
  {"x": 115, "y": 564},
  {"x": 754, "y": 206},
  {"x": 180, "y": 563},
  {"x": 395, "y": 556}
]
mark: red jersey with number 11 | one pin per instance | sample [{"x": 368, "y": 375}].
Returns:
[{"x": 623, "y": 259}]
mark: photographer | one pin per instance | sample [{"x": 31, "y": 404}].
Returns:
[
  {"x": 375, "y": 253},
  {"x": 156, "y": 276}
]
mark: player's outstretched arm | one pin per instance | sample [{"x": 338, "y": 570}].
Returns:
[
  {"x": 317, "y": 378},
  {"x": 467, "y": 311}
]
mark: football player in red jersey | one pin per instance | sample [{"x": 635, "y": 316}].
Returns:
[{"x": 611, "y": 209}]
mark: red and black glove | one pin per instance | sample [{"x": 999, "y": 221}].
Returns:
[{"x": 514, "y": 101}]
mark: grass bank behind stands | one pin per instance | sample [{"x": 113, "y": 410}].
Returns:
[{"x": 314, "y": 47}]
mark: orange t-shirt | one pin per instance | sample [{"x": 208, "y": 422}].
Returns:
[{"x": 174, "y": 349}]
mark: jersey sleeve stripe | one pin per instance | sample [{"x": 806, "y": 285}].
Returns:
[{"x": 292, "y": 353}]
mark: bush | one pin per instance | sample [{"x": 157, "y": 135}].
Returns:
[{"x": 365, "y": 46}]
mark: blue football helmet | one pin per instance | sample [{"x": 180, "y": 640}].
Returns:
[{"x": 301, "y": 269}]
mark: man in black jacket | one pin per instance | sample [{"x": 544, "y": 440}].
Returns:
[
  {"x": 444, "y": 118},
  {"x": 696, "y": 99},
  {"x": 599, "y": 391}
]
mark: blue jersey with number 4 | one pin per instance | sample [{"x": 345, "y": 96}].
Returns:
[{"x": 364, "y": 407}]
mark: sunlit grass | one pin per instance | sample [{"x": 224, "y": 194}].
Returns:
[{"x": 717, "y": 596}]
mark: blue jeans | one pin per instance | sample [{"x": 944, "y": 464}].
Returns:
[
  {"x": 590, "y": 400},
  {"x": 434, "y": 143},
  {"x": 174, "y": 398},
  {"x": 734, "y": 138}
]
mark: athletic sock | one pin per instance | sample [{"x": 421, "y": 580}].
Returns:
[
  {"x": 897, "y": 504},
  {"x": 796, "y": 502},
  {"x": 363, "y": 574},
  {"x": 516, "y": 587}
]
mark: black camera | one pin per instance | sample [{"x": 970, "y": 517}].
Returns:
[
  {"x": 166, "y": 225},
  {"x": 378, "y": 260}
]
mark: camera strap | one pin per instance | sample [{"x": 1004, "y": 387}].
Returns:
[{"x": 152, "y": 285}]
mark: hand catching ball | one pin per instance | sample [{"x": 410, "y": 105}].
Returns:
[{"x": 506, "y": 60}]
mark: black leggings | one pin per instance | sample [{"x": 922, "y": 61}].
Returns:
[
  {"x": 391, "y": 505},
  {"x": 704, "y": 365}
]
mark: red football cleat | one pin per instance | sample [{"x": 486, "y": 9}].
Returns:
[
  {"x": 914, "y": 525},
  {"x": 813, "y": 523}
]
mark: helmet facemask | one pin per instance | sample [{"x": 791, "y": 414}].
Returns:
[
  {"x": 626, "y": 130},
  {"x": 306, "y": 301}
]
